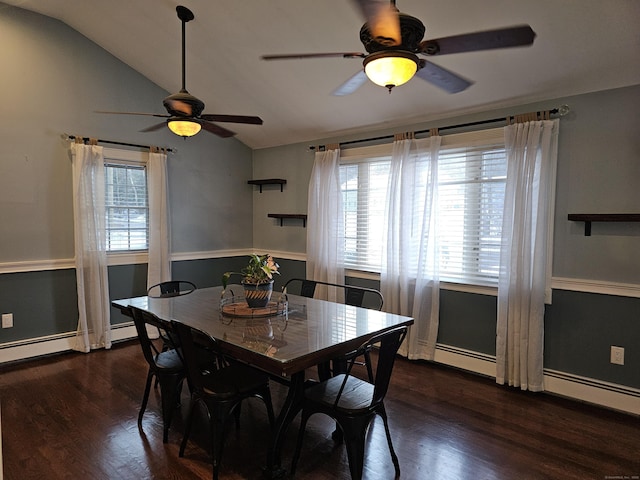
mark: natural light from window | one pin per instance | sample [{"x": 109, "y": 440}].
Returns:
[{"x": 471, "y": 188}]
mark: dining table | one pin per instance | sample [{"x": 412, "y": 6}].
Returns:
[{"x": 284, "y": 339}]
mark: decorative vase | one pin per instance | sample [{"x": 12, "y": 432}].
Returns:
[{"x": 258, "y": 295}]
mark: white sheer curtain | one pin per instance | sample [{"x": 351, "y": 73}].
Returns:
[
  {"x": 159, "y": 263},
  {"x": 325, "y": 227},
  {"x": 525, "y": 263},
  {"x": 94, "y": 325},
  {"x": 409, "y": 279}
]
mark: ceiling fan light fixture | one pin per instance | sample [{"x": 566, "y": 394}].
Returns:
[
  {"x": 183, "y": 127},
  {"x": 391, "y": 68}
]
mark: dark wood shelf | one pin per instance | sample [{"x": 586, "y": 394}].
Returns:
[
  {"x": 282, "y": 216},
  {"x": 268, "y": 181},
  {"x": 587, "y": 218}
]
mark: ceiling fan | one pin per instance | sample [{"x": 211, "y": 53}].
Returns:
[
  {"x": 393, "y": 41},
  {"x": 185, "y": 117}
]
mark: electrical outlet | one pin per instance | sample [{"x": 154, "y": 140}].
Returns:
[
  {"x": 617, "y": 355},
  {"x": 7, "y": 320}
]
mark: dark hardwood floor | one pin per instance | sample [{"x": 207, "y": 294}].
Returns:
[{"x": 74, "y": 416}]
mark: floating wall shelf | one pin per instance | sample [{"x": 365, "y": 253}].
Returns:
[
  {"x": 282, "y": 216},
  {"x": 587, "y": 218},
  {"x": 268, "y": 181}
]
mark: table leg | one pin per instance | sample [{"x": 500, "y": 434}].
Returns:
[{"x": 290, "y": 408}]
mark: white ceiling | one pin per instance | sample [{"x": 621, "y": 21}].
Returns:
[{"x": 581, "y": 46}]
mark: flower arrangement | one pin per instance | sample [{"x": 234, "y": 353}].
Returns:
[{"x": 259, "y": 270}]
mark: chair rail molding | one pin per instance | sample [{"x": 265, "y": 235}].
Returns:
[{"x": 602, "y": 287}]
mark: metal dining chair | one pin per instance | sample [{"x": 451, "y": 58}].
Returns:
[
  {"x": 353, "y": 403},
  {"x": 219, "y": 389},
  {"x": 171, "y": 288},
  {"x": 166, "y": 366},
  {"x": 353, "y": 295}
]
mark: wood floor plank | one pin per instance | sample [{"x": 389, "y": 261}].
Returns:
[{"x": 74, "y": 416}]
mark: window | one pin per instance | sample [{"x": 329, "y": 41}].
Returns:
[
  {"x": 126, "y": 203},
  {"x": 471, "y": 187}
]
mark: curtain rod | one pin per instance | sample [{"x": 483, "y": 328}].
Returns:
[
  {"x": 111, "y": 142},
  {"x": 562, "y": 110}
]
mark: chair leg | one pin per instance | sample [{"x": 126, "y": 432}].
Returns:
[
  {"x": 145, "y": 397},
  {"x": 169, "y": 390},
  {"x": 218, "y": 415},
  {"x": 236, "y": 412},
  {"x": 187, "y": 428},
  {"x": 217, "y": 442},
  {"x": 355, "y": 441},
  {"x": 394, "y": 457},
  {"x": 296, "y": 455}
]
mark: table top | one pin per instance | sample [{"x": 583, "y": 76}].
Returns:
[{"x": 302, "y": 334}]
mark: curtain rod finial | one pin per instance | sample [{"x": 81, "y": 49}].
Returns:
[{"x": 563, "y": 110}]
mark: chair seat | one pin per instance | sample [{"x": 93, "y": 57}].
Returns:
[
  {"x": 169, "y": 360},
  {"x": 234, "y": 380},
  {"x": 356, "y": 395}
]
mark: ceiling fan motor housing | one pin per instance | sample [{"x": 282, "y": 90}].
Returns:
[
  {"x": 183, "y": 104},
  {"x": 412, "y": 31}
]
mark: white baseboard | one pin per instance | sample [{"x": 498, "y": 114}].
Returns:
[
  {"x": 588, "y": 390},
  {"x": 62, "y": 342}
]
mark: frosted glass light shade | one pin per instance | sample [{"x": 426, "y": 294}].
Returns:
[
  {"x": 390, "y": 68},
  {"x": 184, "y": 128}
]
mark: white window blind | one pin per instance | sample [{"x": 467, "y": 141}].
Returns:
[
  {"x": 471, "y": 186},
  {"x": 364, "y": 189},
  {"x": 127, "y": 207}
]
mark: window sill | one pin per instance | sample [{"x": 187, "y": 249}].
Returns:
[
  {"x": 451, "y": 286},
  {"x": 127, "y": 258}
]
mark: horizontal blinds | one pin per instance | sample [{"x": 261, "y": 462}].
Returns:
[
  {"x": 127, "y": 208},
  {"x": 471, "y": 174},
  {"x": 470, "y": 202},
  {"x": 364, "y": 188}
]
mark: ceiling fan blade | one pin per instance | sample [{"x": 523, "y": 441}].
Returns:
[
  {"x": 442, "y": 78},
  {"x": 212, "y": 117},
  {"x": 351, "y": 85},
  {"x": 382, "y": 18},
  {"x": 216, "y": 129},
  {"x": 155, "y": 127},
  {"x": 517, "y": 36},
  {"x": 161, "y": 115},
  {"x": 295, "y": 56}
]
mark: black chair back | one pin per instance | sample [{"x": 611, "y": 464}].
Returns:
[
  {"x": 171, "y": 288},
  {"x": 140, "y": 319},
  {"x": 190, "y": 357},
  {"x": 389, "y": 343},
  {"x": 353, "y": 294}
]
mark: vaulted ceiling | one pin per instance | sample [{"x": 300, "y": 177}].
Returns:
[{"x": 581, "y": 46}]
